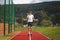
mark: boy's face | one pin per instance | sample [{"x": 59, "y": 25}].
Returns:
[{"x": 30, "y": 13}]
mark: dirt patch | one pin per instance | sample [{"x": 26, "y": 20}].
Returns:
[{"x": 2, "y": 29}]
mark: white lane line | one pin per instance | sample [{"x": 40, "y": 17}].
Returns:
[
  {"x": 14, "y": 36},
  {"x": 45, "y": 36}
]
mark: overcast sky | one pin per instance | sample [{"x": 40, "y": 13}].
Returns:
[
  {"x": 31, "y": 1},
  {"x": 27, "y": 1}
]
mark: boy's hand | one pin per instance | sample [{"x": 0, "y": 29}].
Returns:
[
  {"x": 24, "y": 19},
  {"x": 35, "y": 19}
]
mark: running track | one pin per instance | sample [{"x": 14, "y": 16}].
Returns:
[{"x": 23, "y": 35}]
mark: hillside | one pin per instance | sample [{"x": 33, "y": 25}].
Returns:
[
  {"x": 51, "y": 7},
  {"x": 47, "y": 10}
]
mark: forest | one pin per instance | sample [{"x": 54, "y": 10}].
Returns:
[{"x": 48, "y": 13}]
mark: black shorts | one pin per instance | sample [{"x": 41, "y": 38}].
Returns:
[{"x": 30, "y": 24}]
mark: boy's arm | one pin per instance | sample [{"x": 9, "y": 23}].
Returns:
[
  {"x": 35, "y": 19},
  {"x": 24, "y": 19}
]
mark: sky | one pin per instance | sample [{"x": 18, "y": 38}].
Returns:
[
  {"x": 26, "y": 1},
  {"x": 31, "y": 1}
]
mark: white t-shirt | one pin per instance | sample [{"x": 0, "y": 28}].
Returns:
[{"x": 30, "y": 18}]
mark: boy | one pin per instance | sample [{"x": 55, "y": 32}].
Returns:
[{"x": 30, "y": 18}]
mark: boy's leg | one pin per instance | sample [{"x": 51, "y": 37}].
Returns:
[
  {"x": 30, "y": 29},
  {"x": 30, "y": 32}
]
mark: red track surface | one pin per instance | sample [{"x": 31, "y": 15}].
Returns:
[{"x": 23, "y": 35}]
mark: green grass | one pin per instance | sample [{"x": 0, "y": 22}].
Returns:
[
  {"x": 6, "y": 37},
  {"x": 52, "y": 32}
]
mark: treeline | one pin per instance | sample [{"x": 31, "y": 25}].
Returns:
[
  {"x": 48, "y": 13},
  {"x": 1, "y": 13}
]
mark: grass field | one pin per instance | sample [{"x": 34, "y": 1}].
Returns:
[{"x": 52, "y": 32}]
